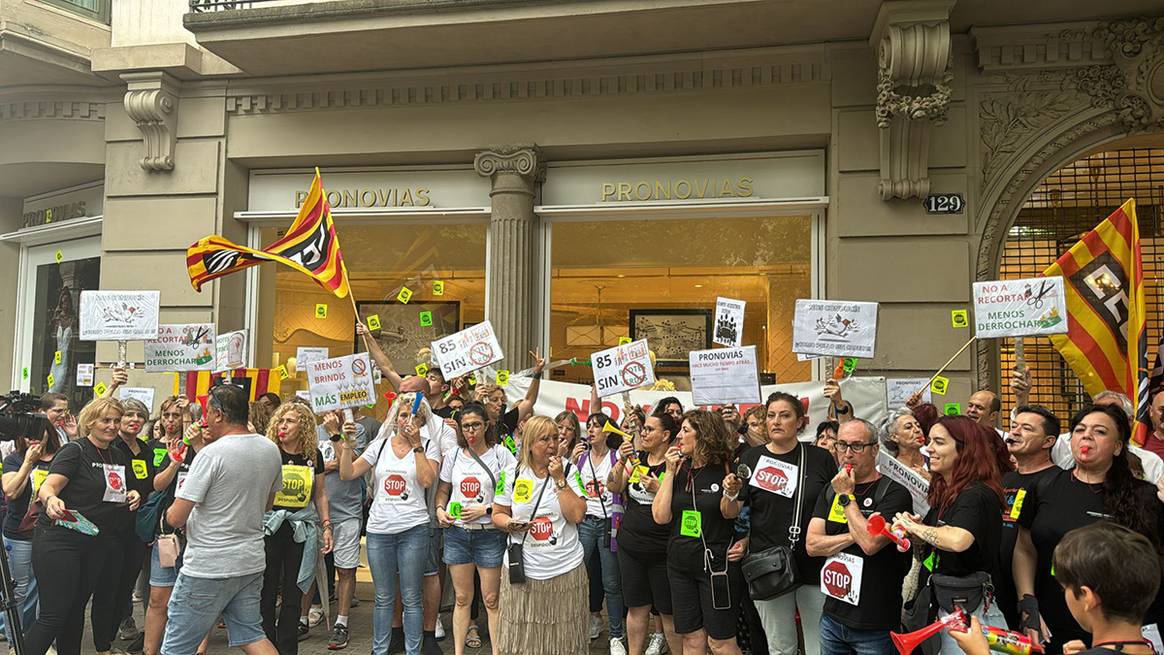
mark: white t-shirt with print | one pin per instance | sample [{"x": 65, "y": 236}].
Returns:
[
  {"x": 470, "y": 484},
  {"x": 551, "y": 545},
  {"x": 594, "y": 475},
  {"x": 399, "y": 502}
]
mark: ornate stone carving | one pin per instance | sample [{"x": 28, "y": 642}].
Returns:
[
  {"x": 1137, "y": 47},
  {"x": 522, "y": 161},
  {"x": 152, "y": 102},
  {"x": 1025, "y": 107}
]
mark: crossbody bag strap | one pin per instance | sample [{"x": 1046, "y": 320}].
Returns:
[
  {"x": 488, "y": 471},
  {"x": 537, "y": 501},
  {"x": 594, "y": 480},
  {"x": 794, "y": 529}
]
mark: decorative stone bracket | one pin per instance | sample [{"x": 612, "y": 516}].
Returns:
[
  {"x": 1137, "y": 48},
  {"x": 523, "y": 162},
  {"x": 152, "y": 102},
  {"x": 914, "y": 78}
]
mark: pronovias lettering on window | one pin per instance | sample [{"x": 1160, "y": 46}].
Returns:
[
  {"x": 683, "y": 188},
  {"x": 373, "y": 197}
]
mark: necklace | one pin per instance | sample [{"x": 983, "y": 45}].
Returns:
[{"x": 1119, "y": 645}]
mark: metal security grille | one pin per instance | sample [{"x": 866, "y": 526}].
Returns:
[{"x": 1069, "y": 203}]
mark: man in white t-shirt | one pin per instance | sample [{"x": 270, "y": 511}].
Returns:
[{"x": 231, "y": 485}]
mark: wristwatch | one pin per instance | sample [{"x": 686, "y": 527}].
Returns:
[
  {"x": 418, "y": 449},
  {"x": 844, "y": 499},
  {"x": 560, "y": 484},
  {"x": 844, "y": 408},
  {"x": 489, "y": 511},
  {"x": 337, "y": 437}
]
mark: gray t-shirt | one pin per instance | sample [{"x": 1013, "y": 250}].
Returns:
[
  {"x": 231, "y": 483},
  {"x": 345, "y": 498}
]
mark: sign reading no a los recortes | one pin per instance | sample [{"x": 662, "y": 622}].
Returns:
[
  {"x": 468, "y": 350},
  {"x": 341, "y": 382},
  {"x": 622, "y": 368},
  {"x": 835, "y": 327},
  {"x": 1019, "y": 308}
]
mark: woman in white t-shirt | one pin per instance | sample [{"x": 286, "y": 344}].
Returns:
[
  {"x": 404, "y": 460},
  {"x": 546, "y": 612},
  {"x": 470, "y": 476}
]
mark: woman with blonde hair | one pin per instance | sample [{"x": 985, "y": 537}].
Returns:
[
  {"x": 293, "y": 525},
  {"x": 543, "y": 583}
]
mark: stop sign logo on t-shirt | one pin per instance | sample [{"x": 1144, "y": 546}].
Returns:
[
  {"x": 541, "y": 528},
  {"x": 771, "y": 479},
  {"x": 470, "y": 487},
  {"x": 837, "y": 579},
  {"x": 394, "y": 485},
  {"x": 114, "y": 481}
]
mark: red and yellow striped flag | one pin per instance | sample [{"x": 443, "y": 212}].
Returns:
[
  {"x": 310, "y": 247},
  {"x": 1107, "y": 342},
  {"x": 197, "y": 384}
]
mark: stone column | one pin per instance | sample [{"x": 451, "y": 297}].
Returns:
[{"x": 510, "y": 302}]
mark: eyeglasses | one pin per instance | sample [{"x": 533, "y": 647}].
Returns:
[
  {"x": 855, "y": 447},
  {"x": 473, "y": 426}
]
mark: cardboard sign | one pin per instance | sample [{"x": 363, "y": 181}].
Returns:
[
  {"x": 835, "y": 327},
  {"x": 119, "y": 315},
  {"x": 724, "y": 375},
  {"x": 468, "y": 350},
  {"x": 231, "y": 350},
  {"x": 1017, "y": 308},
  {"x": 898, "y": 390},
  {"x": 181, "y": 347},
  {"x": 340, "y": 382},
  {"x": 144, "y": 394},
  {"x": 728, "y": 329},
  {"x": 304, "y": 355},
  {"x": 622, "y": 368},
  {"x": 84, "y": 375}
]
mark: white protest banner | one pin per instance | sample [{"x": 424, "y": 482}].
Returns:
[
  {"x": 724, "y": 375},
  {"x": 231, "y": 349},
  {"x": 866, "y": 393},
  {"x": 918, "y": 486},
  {"x": 729, "y": 322},
  {"x": 622, "y": 368},
  {"x": 1020, "y": 308},
  {"x": 85, "y": 375},
  {"x": 304, "y": 355},
  {"x": 467, "y": 350},
  {"x": 119, "y": 315},
  {"x": 898, "y": 390},
  {"x": 340, "y": 382},
  {"x": 181, "y": 347},
  {"x": 144, "y": 394},
  {"x": 835, "y": 327}
]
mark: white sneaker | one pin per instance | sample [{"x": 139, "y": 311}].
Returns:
[
  {"x": 314, "y": 617},
  {"x": 595, "y": 627},
  {"x": 656, "y": 645},
  {"x": 440, "y": 629},
  {"x": 617, "y": 647}
]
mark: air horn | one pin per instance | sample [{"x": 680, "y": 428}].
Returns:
[
  {"x": 610, "y": 427},
  {"x": 876, "y": 526},
  {"x": 999, "y": 640}
]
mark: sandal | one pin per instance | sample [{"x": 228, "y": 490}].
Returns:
[{"x": 473, "y": 639}]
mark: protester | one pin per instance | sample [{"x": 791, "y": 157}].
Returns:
[
  {"x": 826, "y": 437},
  {"x": 858, "y": 619},
  {"x": 405, "y": 461},
  {"x": 757, "y": 433},
  {"x": 260, "y": 416},
  {"x": 270, "y": 401},
  {"x": 568, "y": 430},
  {"x": 221, "y": 503},
  {"x": 543, "y": 611},
  {"x": 670, "y": 405},
  {"x": 298, "y": 521},
  {"x": 960, "y": 535},
  {"x": 594, "y": 457},
  {"x": 840, "y": 409},
  {"x": 902, "y": 437},
  {"x": 56, "y": 407},
  {"x": 984, "y": 407},
  {"x": 783, "y": 470},
  {"x": 1145, "y": 464},
  {"x": 86, "y": 480},
  {"x": 1101, "y": 486},
  {"x": 25, "y": 470},
  {"x": 699, "y": 498},
  {"x": 470, "y": 477},
  {"x": 642, "y": 543},
  {"x": 173, "y": 414},
  {"x": 1154, "y": 443}
]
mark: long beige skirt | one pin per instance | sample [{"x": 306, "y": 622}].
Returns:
[{"x": 545, "y": 617}]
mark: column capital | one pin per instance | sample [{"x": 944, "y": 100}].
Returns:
[
  {"x": 525, "y": 161},
  {"x": 151, "y": 100}
]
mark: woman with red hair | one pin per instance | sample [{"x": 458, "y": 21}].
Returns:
[{"x": 958, "y": 540}]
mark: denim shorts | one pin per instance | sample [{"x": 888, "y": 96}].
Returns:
[
  {"x": 197, "y": 603},
  {"x": 160, "y": 577},
  {"x": 485, "y": 548}
]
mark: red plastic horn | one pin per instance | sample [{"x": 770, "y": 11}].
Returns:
[
  {"x": 906, "y": 643},
  {"x": 876, "y": 527}
]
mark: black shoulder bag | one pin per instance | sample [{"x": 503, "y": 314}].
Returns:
[
  {"x": 516, "y": 551},
  {"x": 772, "y": 572}
]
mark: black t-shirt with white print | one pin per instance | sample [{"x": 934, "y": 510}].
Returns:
[
  {"x": 693, "y": 514},
  {"x": 97, "y": 486},
  {"x": 298, "y": 480},
  {"x": 638, "y": 532}
]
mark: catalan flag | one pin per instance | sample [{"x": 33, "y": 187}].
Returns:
[
  {"x": 197, "y": 384},
  {"x": 310, "y": 247},
  {"x": 1106, "y": 343}
]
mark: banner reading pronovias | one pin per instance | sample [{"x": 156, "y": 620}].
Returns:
[
  {"x": 1019, "y": 308},
  {"x": 181, "y": 347},
  {"x": 866, "y": 393},
  {"x": 724, "y": 375},
  {"x": 341, "y": 382}
]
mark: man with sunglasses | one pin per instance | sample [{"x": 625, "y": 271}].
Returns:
[{"x": 861, "y": 578}]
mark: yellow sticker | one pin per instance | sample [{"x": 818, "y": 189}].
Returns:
[
  {"x": 60, "y": 256},
  {"x": 522, "y": 491},
  {"x": 282, "y": 371},
  {"x": 140, "y": 471},
  {"x": 405, "y": 295},
  {"x": 57, "y": 357},
  {"x": 422, "y": 369},
  {"x": 100, "y": 389},
  {"x": 1017, "y": 508},
  {"x": 297, "y": 483},
  {"x": 321, "y": 310},
  {"x": 38, "y": 478},
  {"x": 502, "y": 378},
  {"x": 940, "y": 385},
  {"x": 959, "y": 318},
  {"x": 438, "y": 287},
  {"x": 374, "y": 322},
  {"x": 622, "y": 341},
  {"x": 837, "y": 512},
  {"x": 51, "y": 379}
]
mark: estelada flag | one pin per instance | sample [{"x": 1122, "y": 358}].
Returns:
[
  {"x": 310, "y": 247},
  {"x": 1106, "y": 343},
  {"x": 256, "y": 381}
]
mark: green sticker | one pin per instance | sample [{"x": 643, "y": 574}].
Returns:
[
  {"x": 500, "y": 488},
  {"x": 425, "y": 319},
  {"x": 159, "y": 456},
  {"x": 691, "y": 524},
  {"x": 454, "y": 509},
  {"x": 24, "y": 374},
  {"x": 931, "y": 562},
  {"x": 850, "y": 365},
  {"x": 952, "y": 409},
  {"x": 509, "y": 443}
]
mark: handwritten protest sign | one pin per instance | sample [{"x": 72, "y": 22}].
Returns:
[
  {"x": 304, "y": 355},
  {"x": 144, "y": 394},
  {"x": 119, "y": 315},
  {"x": 724, "y": 375},
  {"x": 181, "y": 347},
  {"x": 468, "y": 350},
  {"x": 1019, "y": 308},
  {"x": 729, "y": 322},
  {"x": 85, "y": 375},
  {"x": 340, "y": 383},
  {"x": 622, "y": 368},
  {"x": 835, "y": 327},
  {"x": 898, "y": 390},
  {"x": 231, "y": 350}
]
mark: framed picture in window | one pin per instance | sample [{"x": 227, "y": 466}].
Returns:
[{"x": 672, "y": 333}]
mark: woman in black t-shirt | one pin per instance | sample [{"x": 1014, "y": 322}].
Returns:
[
  {"x": 642, "y": 543},
  {"x": 698, "y": 497},
  {"x": 302, "y": 502},
  {"x": 961, "y": 533},
  {"x": 85, "y": 489}
]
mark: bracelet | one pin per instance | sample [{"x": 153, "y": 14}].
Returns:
[{"x": 732, "y": 497}]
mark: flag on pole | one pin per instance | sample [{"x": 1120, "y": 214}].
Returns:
[
  {"x": 256, "y": 381},
  {"x": 1106, "y": 342},
  {"x": 310, "y": 247}
]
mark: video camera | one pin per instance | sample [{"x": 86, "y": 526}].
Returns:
[{"x": 20, "y": 416}]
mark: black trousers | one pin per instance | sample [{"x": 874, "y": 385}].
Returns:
[
  {"x": 283, "y": 557},
  {"x": 111, "y": 599},
  {"x": 67, "y": 566}
]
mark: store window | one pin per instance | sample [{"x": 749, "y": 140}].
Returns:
[{"x": 659, "y": 279}]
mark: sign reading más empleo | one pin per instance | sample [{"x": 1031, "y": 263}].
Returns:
[{"x": 340, "y": 383}]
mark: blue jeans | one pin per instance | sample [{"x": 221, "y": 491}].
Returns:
[
  {"x": 389, "y": 554},
  {"x": 837, "y": 638},
  {"x": 23, "y": 582},
  {"x": 590, "y": 532},
  {"x": 196, "y": 604}
]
